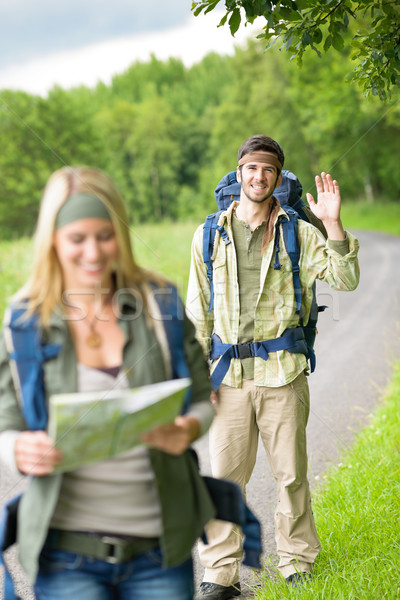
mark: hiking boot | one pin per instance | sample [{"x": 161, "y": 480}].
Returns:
[
  {"x": 297, "y": 579},
  {"x": 214, "y": 591}
]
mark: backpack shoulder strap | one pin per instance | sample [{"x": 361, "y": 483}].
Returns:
[
  {"x": 209, "y": 231},
  {"x": 171, "y": 313},
  {"x": 27, "y": 354},
  {"x": 289, "y": 226}
]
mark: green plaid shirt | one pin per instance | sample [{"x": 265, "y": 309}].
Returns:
[{"x": 275, "y": 308}]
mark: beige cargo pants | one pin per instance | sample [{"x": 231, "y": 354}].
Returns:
[{"x": 280, "y": 415}]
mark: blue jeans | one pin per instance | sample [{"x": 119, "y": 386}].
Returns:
[{"x": 65, "y": 576}]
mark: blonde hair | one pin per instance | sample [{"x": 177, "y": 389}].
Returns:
[{"x": 44, "y": 287}]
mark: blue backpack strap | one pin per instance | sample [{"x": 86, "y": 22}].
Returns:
[
  {"x": 290, "y": 229},
  {"x": 292, "y": 340},
  {"x": 27, "y": 354},
  {"x": 209, "y": 230},
  {"x": 291, "y": 239},
  {"x": 172, "y": 312},
  {"x": 310, "y": 330}
]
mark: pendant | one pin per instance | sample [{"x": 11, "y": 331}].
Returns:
[{"x": 93, "y": 340}]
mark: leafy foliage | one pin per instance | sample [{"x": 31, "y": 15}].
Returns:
[
  {"x": 324, "y": 24},
  {"x": 39, "y": 135},
  {"x": 167, "y": 133}
]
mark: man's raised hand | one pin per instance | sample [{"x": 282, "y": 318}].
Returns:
[{"x": 327, "y": 207}]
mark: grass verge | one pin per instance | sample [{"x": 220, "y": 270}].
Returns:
[
  {"x": 357, "y": 512},
  {"x": 165, "y": 248},
  {"x": 372, "y": 216}
]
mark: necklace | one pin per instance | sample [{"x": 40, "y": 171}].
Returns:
[{"x": 93, "y": 340}]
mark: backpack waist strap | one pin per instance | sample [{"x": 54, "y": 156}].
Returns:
[{"x": 292, "y": 340}]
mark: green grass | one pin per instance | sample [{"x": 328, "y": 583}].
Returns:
[
  {"x": 382, "y": 216},
  {"x": 357, "y": 513},
  {"x": 15, "y": 260},
  {"x": 165, "y": 247}
]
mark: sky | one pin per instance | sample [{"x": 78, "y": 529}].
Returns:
[{"x": 81, "y": 42}]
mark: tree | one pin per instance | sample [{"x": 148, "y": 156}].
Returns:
[
  {"x": 144, "y": 156},
  {"x": 133, "y": 84},
  {"x": 20, "y": 164},
  {"x": 323, "y": 24},
  {"x": 321, "y": 123},
  {"x": 156, "y": 153},
  {"x": 38, "y": 136}
]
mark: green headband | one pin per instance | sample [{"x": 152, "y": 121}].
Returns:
[{"x": 81, "y": 206}]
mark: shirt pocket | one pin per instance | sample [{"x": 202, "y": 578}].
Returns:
[
  {"x": 220, "y": 267},
  {"x": 220, "y": 279},
  {"x": 279, "y": 286}
]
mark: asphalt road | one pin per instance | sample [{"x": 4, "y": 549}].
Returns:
[{"x": 359, "y": 337}]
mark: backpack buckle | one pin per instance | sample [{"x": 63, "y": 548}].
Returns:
[{"x": 244, "y": 350}]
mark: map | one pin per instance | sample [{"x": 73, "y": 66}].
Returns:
[{"x": 93, "y": 426}]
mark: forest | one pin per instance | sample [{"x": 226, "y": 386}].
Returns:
[{"x": 168, "y": 133}]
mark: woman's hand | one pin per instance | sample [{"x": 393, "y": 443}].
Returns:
[
  {"x": 35, "y": 453},
  {"x": 176, "y": 437}
]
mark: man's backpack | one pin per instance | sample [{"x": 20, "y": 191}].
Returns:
[{"x": 289, "y": 196}]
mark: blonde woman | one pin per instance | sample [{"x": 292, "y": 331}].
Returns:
[{"x": 121, "y": 528}]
